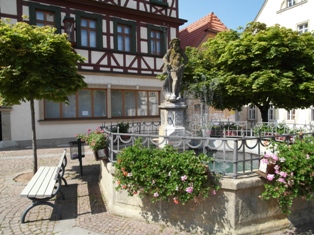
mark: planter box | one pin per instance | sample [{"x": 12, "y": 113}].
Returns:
[{"x": 235, "y": 209}]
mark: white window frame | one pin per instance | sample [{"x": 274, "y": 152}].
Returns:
[
  {"x": 291, "y": 3},
  {"x": 291, "y": 115},
  {"x": 303, "y": 28},
  {"x": 271, "y": 113},
  {"x": 251, "y": 112},
  {"x": 312, "y": 113}
]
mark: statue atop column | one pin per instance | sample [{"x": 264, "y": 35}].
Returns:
[{"x": 174, "y": 64}]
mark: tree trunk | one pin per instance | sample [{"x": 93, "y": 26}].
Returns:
[
  {"x": 34, "y": 144},
  {"x": 264, "y": 112}
]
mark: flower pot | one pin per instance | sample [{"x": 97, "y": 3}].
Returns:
[
  {"x": 265, "y": 169},
  {"x": 101, "y": 154}
]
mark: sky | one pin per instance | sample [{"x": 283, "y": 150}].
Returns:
[{"x": 231, "y": 13}]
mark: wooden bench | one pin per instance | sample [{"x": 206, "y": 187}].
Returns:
[{"x": 44, "y": 185}]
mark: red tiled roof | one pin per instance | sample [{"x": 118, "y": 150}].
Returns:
[{"x": 194, "y": 34}]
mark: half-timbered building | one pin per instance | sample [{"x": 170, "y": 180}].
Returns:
[{"x": 123, "y": 42}]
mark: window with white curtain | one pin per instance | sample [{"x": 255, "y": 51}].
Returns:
[
  {"x": 86, "y": 103},
  {"x": 126, "y": 103}
]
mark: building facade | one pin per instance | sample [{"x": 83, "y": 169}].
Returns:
[
  {"x": 297, "y": 15},
  {"x": 123, "y": 42}
]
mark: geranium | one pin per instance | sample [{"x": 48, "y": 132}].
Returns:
[
  {"x": 189, "y": 190},
  {"x": 270, "y": 177},
  {"x": 293, "y": 172},
  {"x": 96, "y": 139},
  {"x": 164, "y": 173}
]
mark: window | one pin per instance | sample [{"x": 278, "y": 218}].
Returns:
[
  {"x": 252, "y": 112},
  {"x": 290, "y": 3},
  {"x": 45, "y": 18},
  {"x": 291, "y": 114},
  {"x": 156, "y": 40},
  {"x": 271, "y": 113},
  {"x": 160, "y": 2},
  {"x": 303, "y": 28},
  {"x": 134, "y": 103},
  {"x": 43, "y": 15},
  {"x": 86, "y": 103},
  {"x": 124, "y": 36},
  {"x": 88, "y": 30},
  {"x": 312, "y": 113}
]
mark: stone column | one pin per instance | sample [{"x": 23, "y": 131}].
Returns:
[{"x": 172, "y": 120}]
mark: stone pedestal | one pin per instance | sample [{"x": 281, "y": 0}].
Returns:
[{"x": 172, "y": 120}]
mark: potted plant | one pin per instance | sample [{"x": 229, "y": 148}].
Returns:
[
  {"x": 98, "y": 142},
  {"x": 292, "y": 177},
  {"x": 164, "y": 174}
]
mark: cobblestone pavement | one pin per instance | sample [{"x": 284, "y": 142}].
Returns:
[{"x": 83, "y": 210}]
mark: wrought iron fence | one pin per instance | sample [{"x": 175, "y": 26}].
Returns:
[{"x": 233, "y": 156}]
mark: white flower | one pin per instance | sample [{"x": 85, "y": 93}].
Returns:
[{"x": 282, "y": 159}]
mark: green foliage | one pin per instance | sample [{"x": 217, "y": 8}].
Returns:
[
  {"x": 293, "y": 176},
  {"x": 164, "y": 174},
  {"x": 96, "y": 139},
  {"x": 254, "y": 66},
  {"x": 280, "y": 129},
  {"x": 36, "y": 63},
  {"x": 123, "y": 127}
]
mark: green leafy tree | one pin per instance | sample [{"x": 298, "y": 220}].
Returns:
[
  {"x": 259, "y": 65},
  {"x": 35, "y": 64}
]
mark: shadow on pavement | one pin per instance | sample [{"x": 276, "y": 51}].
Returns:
[{"x": 91, "y": 177}]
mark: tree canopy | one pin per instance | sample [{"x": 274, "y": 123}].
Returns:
[
  {"x": 260, "y": 65},
  {"x": 36, "y": 63}
]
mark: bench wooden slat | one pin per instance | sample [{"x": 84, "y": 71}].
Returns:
[
  {"x": 31, "y": 183},
  {"x": 43, "y": 183},
  {"x": 47, "y": 187}
]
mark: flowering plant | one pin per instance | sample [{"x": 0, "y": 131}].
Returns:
[
  {"x": 164, "y": 174},
  {"x": 96, "y": 139},
  {"x": 293, "y": 172}
]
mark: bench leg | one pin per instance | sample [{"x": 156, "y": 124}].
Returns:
[
  {"x": 37, "y": 203},
  {"x": 64, "y": 181}
]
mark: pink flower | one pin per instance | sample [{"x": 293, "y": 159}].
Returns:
[
  {"x": 283, "y": 174},
  {"x": 156, "y": 194},
  {"x": 270, "y": 177},
  {"x": 264, "y": 160},
  {"x": 214, "y": 192},
  {"x": 282, "y": 180},
  {"x": 189, "y": 190},
  {"x": 183, "y": 178},
  {"x": 274, "y": 156},
  {"x": 267, "y": 155}
]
